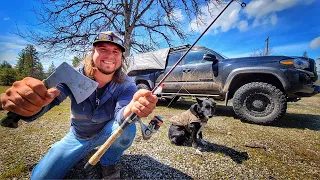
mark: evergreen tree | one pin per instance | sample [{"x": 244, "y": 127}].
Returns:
[
  {"x": 5, "y": 64},
  {"x": 39, "y": 72},
  {"x": 51, "y": 68},
  {"x": 75, "y": 61},
  {"x": 29, "y": 64},
  {"x": 7, "y": 74}
]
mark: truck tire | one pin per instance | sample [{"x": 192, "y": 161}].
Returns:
[
  {"x": 143, "y": 86},
  {"x": 259, "y": 103}
]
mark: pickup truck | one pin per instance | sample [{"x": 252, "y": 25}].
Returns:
[{"x": 259, "y": 87}]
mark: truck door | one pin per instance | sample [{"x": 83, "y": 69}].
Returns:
[
  {"x": 173, "y": 81},
  {"x": 197, "y": 74}
]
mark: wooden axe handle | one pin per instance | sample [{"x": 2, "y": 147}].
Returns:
[{"x": 97, "y": 156}]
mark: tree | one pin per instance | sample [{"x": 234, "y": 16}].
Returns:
[
  {"x": 318, "y": 69},
  {"x": 51, "y": 68},
  {"x": 29, "y": 64},
  {"x": 70, "y": 25},
  {"x": 5, "y": 64},
  {"x": 261, "y": 52},
  {"x": 7, "y": 74},
  {"x": 75, "y": 61},
  {"x": 305, "y": 54}
]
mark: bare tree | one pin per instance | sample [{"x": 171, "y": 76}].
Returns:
[
  {"x": 261, "y": 52},
  {"x": 69, "y": 25},
  {"x": 305, "y": 54}
]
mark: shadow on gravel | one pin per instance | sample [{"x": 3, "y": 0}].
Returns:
[
  {"x": 145, "y": 167},
  {"x": 131, "y": 167},
  {"x": 236, "y": 156},
  {"x": 299, "y": 121}
]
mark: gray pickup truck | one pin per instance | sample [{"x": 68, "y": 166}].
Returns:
[{"x": 259, "y": 87}]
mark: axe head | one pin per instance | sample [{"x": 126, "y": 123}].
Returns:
[{"x": 81, "y": 86}]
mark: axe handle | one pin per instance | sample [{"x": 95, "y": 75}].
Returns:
[
  {"x": 10, "y": 120},
  {"x": 105, "y": 146}
]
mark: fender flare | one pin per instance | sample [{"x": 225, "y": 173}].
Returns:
[{"x": 261, "y": 70}]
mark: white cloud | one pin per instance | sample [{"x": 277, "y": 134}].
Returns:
[
  {"x": 10, "y": 56},
  {"x": 315, "y": 43},
  {"x": 243, "y": 25},
  {"x": 262, "y": 8},
  {"x": 10, "y": 45},
  {"x": 228, "y": 20},
  {"x": 273, "y": 19},
  {"x": 12, "y": 42},
  {"x": 264, "y": 11},
  {"x": 6, "y": 18},
  {"x": 177, "y": 15}
]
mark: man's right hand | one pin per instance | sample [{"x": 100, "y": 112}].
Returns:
[{"x": 27, "y": 97}]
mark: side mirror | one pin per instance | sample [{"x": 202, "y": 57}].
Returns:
[{"x": 210, "y": 57}]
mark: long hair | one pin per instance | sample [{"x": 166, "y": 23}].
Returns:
[{"x": 89, "y": 68}]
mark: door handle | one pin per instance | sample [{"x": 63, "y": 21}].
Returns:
[{"x": 186, "y": 70}]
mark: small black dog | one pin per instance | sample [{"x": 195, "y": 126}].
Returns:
[{"x": 191, "y": 123}]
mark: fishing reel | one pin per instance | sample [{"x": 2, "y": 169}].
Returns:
[{"x": 151, "y": 128}]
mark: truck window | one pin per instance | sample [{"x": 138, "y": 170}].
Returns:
[
  {"x": 194, "y": 57},
  {"x": 173, "y": 58}
]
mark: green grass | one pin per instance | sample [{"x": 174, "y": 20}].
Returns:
[
  {"x": 13, "y": 172},
  {"x": 3, "y": 89}
]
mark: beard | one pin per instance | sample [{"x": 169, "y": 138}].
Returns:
[{"x": 107, "y": 72}]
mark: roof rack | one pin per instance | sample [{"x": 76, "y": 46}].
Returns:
[{"x": 180, "y": 47}]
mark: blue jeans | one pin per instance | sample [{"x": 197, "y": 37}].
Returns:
[{"x": 64, "y": 154}]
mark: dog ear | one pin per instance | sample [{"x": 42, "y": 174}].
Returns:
[{"x": 199, "y": 101}]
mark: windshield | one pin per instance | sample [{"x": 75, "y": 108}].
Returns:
[
  {"x": 218, "y": 55},
  {"x": 225, "y": 57}
]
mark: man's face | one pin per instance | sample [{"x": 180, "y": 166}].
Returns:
[{"x": 107, "y": 57}]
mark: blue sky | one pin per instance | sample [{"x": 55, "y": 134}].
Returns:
[{"x": 293, "y": 26}]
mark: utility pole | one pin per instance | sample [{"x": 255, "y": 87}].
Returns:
[{"x": 267, "y": 46}]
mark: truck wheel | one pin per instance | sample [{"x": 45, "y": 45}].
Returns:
[
  {"x": 259, "y": 103},
  {"x": 143, "y": 86}
]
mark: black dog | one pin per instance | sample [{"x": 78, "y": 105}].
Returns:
[{"x": 191, "y": 123}]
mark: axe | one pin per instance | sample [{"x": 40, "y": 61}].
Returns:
[{"x": 80, "y": 86}]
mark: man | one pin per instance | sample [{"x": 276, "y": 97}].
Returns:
[{"x": 93, "y": 120}]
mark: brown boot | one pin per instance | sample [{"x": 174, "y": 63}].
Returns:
[{"x": 110, "y": 172}]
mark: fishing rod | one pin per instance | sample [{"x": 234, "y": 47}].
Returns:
[{"x": 133, "y": 117}]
